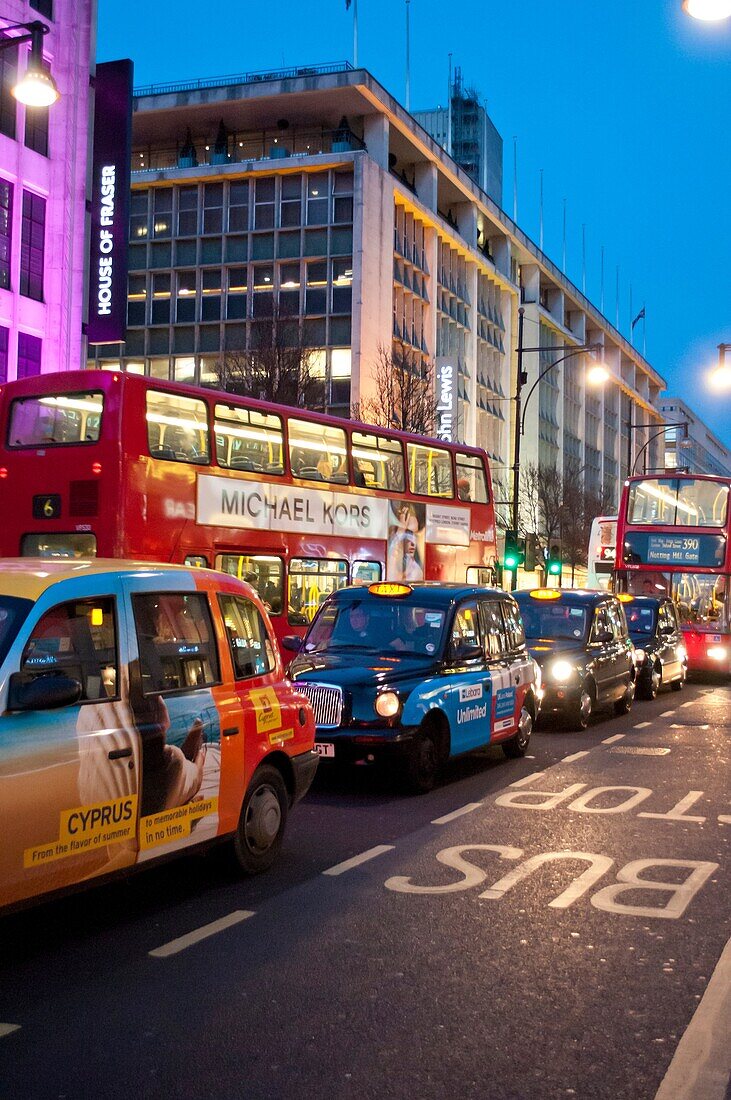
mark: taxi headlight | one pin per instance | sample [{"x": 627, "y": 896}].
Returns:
[
  {"x": 639, "y": 656},
  {"x": 717, "y": 652},
  {"x": 682, "y": 652},
  {"x": 561, "y": 671},
  {"x": 387, "y": 704}
]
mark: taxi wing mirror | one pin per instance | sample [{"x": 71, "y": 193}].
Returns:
[
  {"x": 292, "y": 643},
  {"x": 602, "y": 636},
  {"x": 42, "y": 692},
  {"x": 465, "y": 651}
]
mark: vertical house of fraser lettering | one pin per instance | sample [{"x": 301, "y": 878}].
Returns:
[
  {"x": 309, "y": 202},
  {"x": 44, "y": 159}
]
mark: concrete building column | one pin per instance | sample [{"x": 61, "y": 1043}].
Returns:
[
  {"x": 376, "y": 135},
  {"x": 426, "y": 177},
  {"x": 466, "y": 215}
]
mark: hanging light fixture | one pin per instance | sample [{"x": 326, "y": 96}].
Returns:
[{"x": 36, "y": 88}]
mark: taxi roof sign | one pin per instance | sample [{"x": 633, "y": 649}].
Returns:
[
  {"x": 390, "y": 588},
  {"x": 546, "y": 594},
  {"x": 625, "y": 597}
]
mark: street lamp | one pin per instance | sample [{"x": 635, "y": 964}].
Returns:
[
  {"x": 597, "y": 375},
  {"x": 36, "y": 88},
  {"x": 684, "y": 442},
  {"x": 720, "y": 377},
  {"x": 708, "y": 10}
]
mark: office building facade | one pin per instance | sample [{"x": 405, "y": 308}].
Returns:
[
  {"x": 312, "y": 197},
  {"x": 44, "y": 161},
  {"x": 689, "y": 444}
]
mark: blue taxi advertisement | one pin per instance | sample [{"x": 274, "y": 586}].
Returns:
[{"x": 417, "y": 673}]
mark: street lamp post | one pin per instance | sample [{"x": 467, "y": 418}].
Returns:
[
  {"x": 721, "y": 375},
  {"x": 520, "y": 407},
  {"x": 36, "y": 88},
  {"x": 684, "y": 442}
]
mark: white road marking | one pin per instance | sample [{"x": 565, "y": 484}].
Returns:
[
  {"x": 667, "y": 714},
  {"x": 682, "y": 726},
  {"x": 356, "y": 861},
  {"x": 725, "y": 819},
  {"x": 457, "y": 813},
  {"x": 202, "y": 933},
  {"x": 611, "y": 740},
  {"x": 702, "y": 1062},
  {"x": 8, "y": 1029},
  {"x": 689, "y": 703},
  {"x": 678, "y": 811},
  {"x": 575, "y": 756},
  {"x": 526, "y": 779},
  {"x": 643, "y": 725}
]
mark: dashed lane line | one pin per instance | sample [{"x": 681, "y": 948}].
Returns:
[
  {"x": 526, "y": 779},
  {"x": 667, "y": 714},
  {"x": 644, "y": 725},
  {"x": 457, "y": 813},
  {"x": 8, "y": 1029},
  {"x": 575, "y": 756},
  {"x": 701, "y": 1065},
  {"x": 202, "y": 933},
  {"x": 349, "y": 864},
  {"x": 611, "y": 740}
]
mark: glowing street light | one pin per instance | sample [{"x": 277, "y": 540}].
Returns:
[
  {"x": 597, "y": 375},
  {"x": 36, "y": 88},
  {"x": 720, "y": 376},
  {"x": 708, "y": 10}
]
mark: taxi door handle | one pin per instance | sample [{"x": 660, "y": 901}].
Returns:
[
  {"x": 119, "y": 754},
  {"x": 231, "y": 731},
  {"x": 517, "y": 677}
]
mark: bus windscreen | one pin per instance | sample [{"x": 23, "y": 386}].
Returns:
[{"x": 678, "y": 502}]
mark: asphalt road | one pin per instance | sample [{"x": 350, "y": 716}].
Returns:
[{"x": 486, "y": 940}]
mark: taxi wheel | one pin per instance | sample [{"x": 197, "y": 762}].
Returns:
[
  {"x": 422, "y": 765},
  {"x": 677, "y": 685},
  {"x": 624, "y": 705},
  {"x": 518, "y": 745},
  {"x": 652, "y": 685},
  {"x": 260, "y": 831},
  {"x": 582, "y": 709}
]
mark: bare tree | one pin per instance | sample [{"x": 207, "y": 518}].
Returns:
[
  {"x": 403, "y": 395},
  {"x": 541, "y": 503},
  {"x": 276, "y": 367}
]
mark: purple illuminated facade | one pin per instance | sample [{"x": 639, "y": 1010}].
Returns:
[{"x": 44, "y": 186}]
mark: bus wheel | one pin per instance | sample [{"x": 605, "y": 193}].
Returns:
[
  {"x": 518, "y": 744},
  {"x": 422, "y": 764},
  {"x": 260, "y": 831}
]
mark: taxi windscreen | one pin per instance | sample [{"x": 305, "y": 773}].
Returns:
[
  {"x": 377, "y": 627},
  {"x": 13, "y": 612},
  {"x": 554, "y": 620},
  {"x": 641, "y": 620}
]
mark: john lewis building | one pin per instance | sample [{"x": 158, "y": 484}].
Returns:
[{"x": 312, "y": 194}]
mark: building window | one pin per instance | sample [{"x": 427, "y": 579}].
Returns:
[
  {"x": 162, "y": 202},
  {"x": 44, "y": 7},
  {"x": 29, "y": 355},
  {"x": 36, "y": 129},
  {"x": 4, "y": 334},
  {"x": 8, "y": 79},
  {"x": 31, "y": 246},
  {"x": 6, "y": 229}
]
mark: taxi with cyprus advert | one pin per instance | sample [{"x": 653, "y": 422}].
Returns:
[
  {"x": 143, "y": 711},
  {"x": 581, "y": 641},
  {"x": 417, "y": 673}
]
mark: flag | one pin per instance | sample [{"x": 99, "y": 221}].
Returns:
[
  {"x": 347, "y": 4},
  {"x": 639, "y": 317}
]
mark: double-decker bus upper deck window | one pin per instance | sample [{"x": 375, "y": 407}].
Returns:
[
  {"x": 249, "y": 440},
  {"x": 678, "y": 502},
  {"x": 471, "y": 478},
  {"x": 430, "y": 471},
  {"x": 177, "y": 428},
  {"x": 317, "y": 452},
  {"x": 55, "y": 420},
  {"x": 378, "y": 462}
]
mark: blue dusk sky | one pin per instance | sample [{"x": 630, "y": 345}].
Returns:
[{"x": 622, "y": 104}]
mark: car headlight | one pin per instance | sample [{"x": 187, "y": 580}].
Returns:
[
  {"x": 387, "y": 704},
  {"x": 717, "y": 652},
  {"x": 681, "y": 652},
  {"x": 639, "y": 656},
  {"x": 561, "y": 671}
]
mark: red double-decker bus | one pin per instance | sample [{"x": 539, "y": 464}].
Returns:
[
  {"x": 298, "y": 504},
  {"x": 673, "y": 539}
]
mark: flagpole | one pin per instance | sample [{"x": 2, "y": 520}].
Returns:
[
  {"x": 631, "y": 314},
  {"x": 408, "y": 59},
  {"x": 563, "y": 253},
  {"x": 616, "y": 302},
  {"x": 355, "y": 34},
  {"x": 583, "y": 258},
  {"x": 540, "y": 226},
  {"x": 601, "y": 293},
  {"x": 449, "y": 107},
  {"x": 515, "y": 179}
]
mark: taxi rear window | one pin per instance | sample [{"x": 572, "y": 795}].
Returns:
[{"x": 554, "y": 620}]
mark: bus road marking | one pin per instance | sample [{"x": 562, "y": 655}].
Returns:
[
  {"x": 667, "y": 714},
  {"x": 202, "y": 933},
  {"x": 526, "y": 779},
  {"x": 349, "y": 864},
  {"x": 575, "y": 756},
  {"x": 644, "y": 725},
  {"x": 611, "y": 740},
  {"x": 8, "y": 1029},
  {"x": 457, "y": 813},
  {"x": 701, "y": 1063},
  {"x": 682, "y": 726}
]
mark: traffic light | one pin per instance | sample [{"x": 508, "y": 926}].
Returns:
[
  {"x": 514, "y": 551},
  {"x": 530, "y": 552},
  {"x": 553, "y": 562}
]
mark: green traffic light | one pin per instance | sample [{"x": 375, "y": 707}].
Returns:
[
  {"x": 510, "y": 561},
  {"x": 554, "y": 568}
]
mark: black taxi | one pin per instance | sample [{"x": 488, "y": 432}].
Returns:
[
  {"x": 660, "y": 654},
  {"x": 417, "y": 673},
  {"x": 581, "y": 641}
]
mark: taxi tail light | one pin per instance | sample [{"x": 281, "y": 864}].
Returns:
[{"x": 3, "y": 472}]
